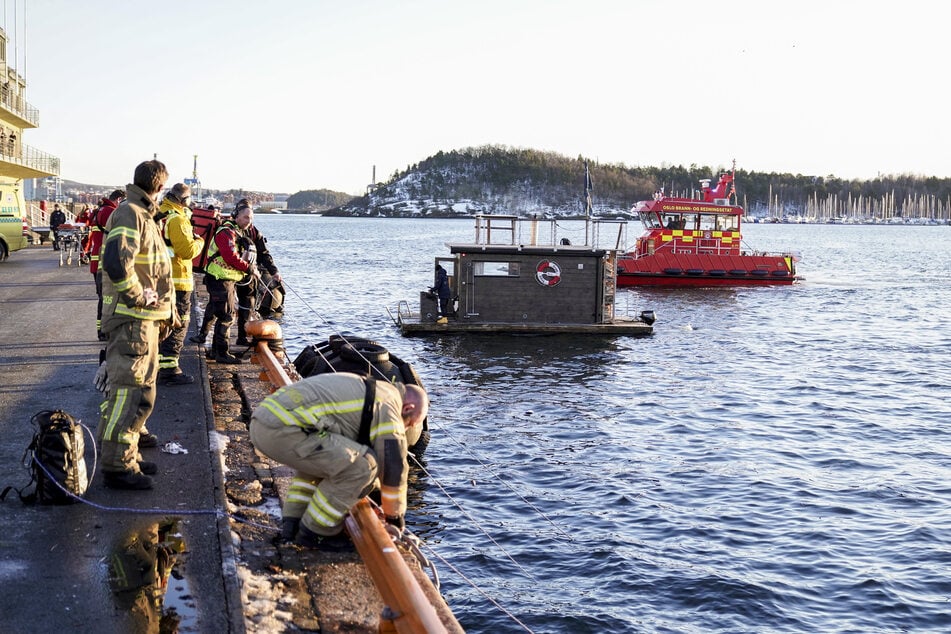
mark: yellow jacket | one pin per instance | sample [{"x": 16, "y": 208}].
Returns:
[{"x": 182, "y": 244}]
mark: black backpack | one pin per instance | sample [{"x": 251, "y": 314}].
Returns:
[{"x": 56, "y": 459}]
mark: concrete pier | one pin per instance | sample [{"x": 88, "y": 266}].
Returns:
[{"x": 55, "y": 561}]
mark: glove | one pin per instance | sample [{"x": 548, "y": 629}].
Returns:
[
  {"x": 150, "y": 296},
  {"x": 397, "y": 521},
  {"x": 102, "y": 378}
]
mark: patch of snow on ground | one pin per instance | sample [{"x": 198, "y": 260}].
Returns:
[
  {"x": 217, "y": 443},
  {"x": 262, "y": 600}
]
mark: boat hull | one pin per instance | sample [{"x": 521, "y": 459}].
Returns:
[{"x": 702, "y": 270}]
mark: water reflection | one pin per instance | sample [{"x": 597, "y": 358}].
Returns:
[{"x": 139, "y": 571}]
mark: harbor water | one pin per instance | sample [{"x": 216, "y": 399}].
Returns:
[{"x": 769, "y": 460}]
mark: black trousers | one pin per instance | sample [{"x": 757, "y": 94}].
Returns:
[
  {"x": 247, "y": 301},
  {"x": 222, "y": 301}
]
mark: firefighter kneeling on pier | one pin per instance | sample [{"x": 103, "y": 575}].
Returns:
[{"x": 340, "y": 432}]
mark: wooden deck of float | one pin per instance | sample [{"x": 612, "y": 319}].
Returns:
[{"x": 617, "y": 327}]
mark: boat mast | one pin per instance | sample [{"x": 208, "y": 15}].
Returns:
[
  {"x": 587, "y": 203},
  {"x": 732, "y": 192}
]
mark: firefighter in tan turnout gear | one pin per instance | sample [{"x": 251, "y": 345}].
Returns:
[
  {"x": 340, "y": 432},
  {"x": 137, "y": 297}
]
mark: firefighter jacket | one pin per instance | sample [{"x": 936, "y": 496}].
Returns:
[
  {"x": 134, "y": 258},
  {"x": 97, "y": 231},
  {"x": 334, "y": 403},
  {"x": 183, "y": 246},
  {"x": 225, "y": 260}
]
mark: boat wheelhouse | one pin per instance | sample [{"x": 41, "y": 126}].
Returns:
[
  {"x": 698, "y": 243},
  {"x": 517, "y": 276}
]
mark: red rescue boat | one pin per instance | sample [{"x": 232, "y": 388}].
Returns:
[{"x": 697, "y": 243}]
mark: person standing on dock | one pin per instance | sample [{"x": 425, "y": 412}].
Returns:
[
  {"x": 247, "y": 293},
  {"x": 97, "y": 231},
  {"x": 137, "y": 302},
  {"x": 229, "y": 262},
  {"x": 183, "y": 247},
  {"x": 57, "y": 218},
  {"x": 340, "y": 432},
  {"x": 442, "y": 290}
]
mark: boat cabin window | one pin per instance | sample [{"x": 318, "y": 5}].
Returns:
[
  {"x": 727, "y": 223},
  {"x": 496, "y": 269},
  {"x": 675, "y": 222},
  {"x": 650, "y": 220},
  {"x": 708, "y": 222},
  {"x": 689, "y": 222},
  {"x": 717, "y": 222}
]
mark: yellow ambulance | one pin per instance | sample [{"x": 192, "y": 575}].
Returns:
[{"x": 13, "y": 226}]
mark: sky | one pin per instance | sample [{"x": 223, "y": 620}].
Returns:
[{"x": 289, "y": 95}]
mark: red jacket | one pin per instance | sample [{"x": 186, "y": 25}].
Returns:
[
  {"x": 227, "y": 241},
  {"x": 96, "y": 233}
]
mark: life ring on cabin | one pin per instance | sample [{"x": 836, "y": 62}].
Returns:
[{"x": 548, "y": 273}]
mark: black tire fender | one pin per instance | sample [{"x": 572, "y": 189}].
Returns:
[{"x": 364, "y": 351}]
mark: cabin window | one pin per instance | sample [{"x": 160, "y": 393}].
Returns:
[
  {"x": 726, "y": 223},
  {"x": 675, "y": 222},
  {"x": 650, "y": 220},
  {"x": 496, "y": 269},
  {"x": 689, "y": 222},
  {"x": 708, "y": 222}
]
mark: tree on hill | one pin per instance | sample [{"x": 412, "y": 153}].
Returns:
[{"x": 317, "y": 199}]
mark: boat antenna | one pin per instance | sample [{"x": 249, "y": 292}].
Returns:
[
  {"x": 736, "y": 198},
  {"x": 588, "y": 186}
]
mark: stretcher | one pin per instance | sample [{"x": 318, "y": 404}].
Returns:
[{"x": 69, "y": 241}]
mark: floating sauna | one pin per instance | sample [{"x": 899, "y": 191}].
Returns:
[{"x": 518, "y": 277}]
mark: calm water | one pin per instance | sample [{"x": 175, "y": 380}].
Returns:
[{"x": 770, "y": 460}]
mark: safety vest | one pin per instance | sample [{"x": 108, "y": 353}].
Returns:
[{"x": 217, "y": 266}]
